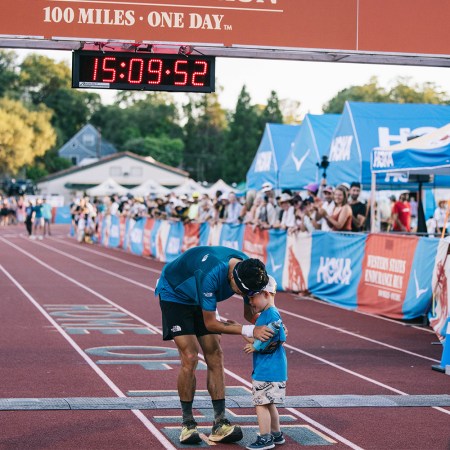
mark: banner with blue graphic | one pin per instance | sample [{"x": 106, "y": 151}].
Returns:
[
  {"x": 136, "y": 238},
  {"x": 62, "y": 215},
  {"x": 204, "y": 233},
  {"x": 153, "y": 238},
  {"x": 174, "y": 241},
  {"x": 114, "y": 232},
  {"x": 232, "y": 236},
  {"x": 336, "y": 267},
  {"x": 276, "y": 250}
]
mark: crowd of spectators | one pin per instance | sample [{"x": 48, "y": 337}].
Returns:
[{"x": 316, "y": 207}]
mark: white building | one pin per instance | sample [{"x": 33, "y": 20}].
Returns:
[{"x": 126, "y": 168}]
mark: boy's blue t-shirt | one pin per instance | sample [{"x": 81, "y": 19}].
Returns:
[
  {"x": 270, "y": 366},
  {"x": 198, "y": 277}
]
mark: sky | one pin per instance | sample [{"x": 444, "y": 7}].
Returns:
[{"x": 310, "y": 83}]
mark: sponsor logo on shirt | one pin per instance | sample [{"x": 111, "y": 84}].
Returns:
[
  {"x": 208, "y": 294},
  {"x": 205, "y": 257}
]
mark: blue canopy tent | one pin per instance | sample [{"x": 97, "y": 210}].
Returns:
[
  {"x": 311, "y": 144},
  {"x": 364, "y": 126},
  {"x": 271, "y": 154},
  {"x": 428, "y": 155}
]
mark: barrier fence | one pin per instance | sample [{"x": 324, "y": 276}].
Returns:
[{"x": 397, "y": 276}]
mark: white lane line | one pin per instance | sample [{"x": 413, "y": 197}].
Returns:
[
  {"x": 157, "y": 330},
  {"x": 341, "y": 330},
  {"x": 321, "y": 302},
  {"x": 105, "y": 255},
  {"x": 150, "y": 427}
]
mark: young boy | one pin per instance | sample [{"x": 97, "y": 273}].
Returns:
[{"x": 269, "y": 369}]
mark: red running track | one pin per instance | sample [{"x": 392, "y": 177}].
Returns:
[{"x": 82, "y": 321}]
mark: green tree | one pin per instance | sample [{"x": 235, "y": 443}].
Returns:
[
  {"x": 24, "y": 134},
  {"x": 163, "y": 149},
  {"x": 407, "y": 92},
  {"x": 9, "y": 75},
  {"x": 370, "y": 92},
  {"x": 272, "y": 111},
  {"x": 244, "y": 135},
  {"x": 204, "y": 136}
]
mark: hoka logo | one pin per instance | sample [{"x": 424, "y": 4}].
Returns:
[
  {"x": 114, "y": 233},
  {"x": 340, "y": 148},
  {"x": 263, "y": 161},
  {"x": 173, "y": 246},
  {"x": 136, "y": 235},
  {"x": 334, "y": 270},
  {"x": 382, "y": 159}
]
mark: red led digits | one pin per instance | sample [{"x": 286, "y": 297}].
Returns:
[
  {"x": 200, "y": 74},
  {"x": 140, "y": 63},
  {"x": 158, "y": 71},
  {"x": 94, "y": 78},
  {"x": 109, "y": 69},
  {"x": 181, "y": 72}
]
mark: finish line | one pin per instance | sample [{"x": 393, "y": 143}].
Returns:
[{"x": 202, "y": 402}]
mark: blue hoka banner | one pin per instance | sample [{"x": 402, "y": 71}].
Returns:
[
  {"x": 336, "y": 262},
  {"x": 62, "y": 215},
  {"x": 419, "y": 294},
  {"x": 153, "y": 238},
  {"x": 174, "y": 241},
  {"x": 232, "y": 236},
  {"x": 137, "y": 236},
  {"x": 276, "y": 252},
  {"x": 204, "y": 233},
  {"x": 114, "y": 232},
  {"x": 126, "y": 237}
]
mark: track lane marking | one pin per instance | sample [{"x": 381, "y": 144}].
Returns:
[{"x": 146, "y": 422}]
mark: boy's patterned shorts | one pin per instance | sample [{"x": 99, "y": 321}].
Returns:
[{"x": 267, "y": 392}]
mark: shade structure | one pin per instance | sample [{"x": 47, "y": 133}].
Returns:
[
  {"x": 365, "y": 126},
  {"x": 188, "y": 187},
  {"x": 219, "y": 185},
  {"x": 108, "y": 187},
  {"x": 149, "y": 187}
]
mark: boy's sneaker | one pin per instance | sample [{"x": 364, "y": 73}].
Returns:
[
  {"x": 189, "y": 433},
  {"x": 278, "y": 440},
  {"x": 262, "y": 443},
  {"x": 223, "y": 431}
]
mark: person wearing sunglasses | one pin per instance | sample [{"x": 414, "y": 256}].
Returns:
[{"x": 189, "y": 289}]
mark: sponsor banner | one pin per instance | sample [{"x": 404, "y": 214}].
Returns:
[
  {"x": 148, "y": 227},
  {"x": 204, "y": 233},
  {"x": 114, "y": 235},
  {"x": 232, "y": 236},
  {"x": 154, "y": 238},
  {"x": 215, "y": 231},
  {"x": 174, "y": 241},
  {"x": 256, "y": 241},
  {"x": 61, "y": 215},
  {"x": 429, "y": 253},
  {"x": 297, "y": 263},
  {"x": 440, "y": 306},
  {"x": 385, "y": 275},
  {"x": 123, "y": 232},
  {"x": 276, "y": 250},
  {"x": 336, "y": 267},
  {"x": 161, "y": 239},
  {"x": 100, "y": 228},
  {"x": 137, "y": 236},
  {"x": 191, "y": 236}
]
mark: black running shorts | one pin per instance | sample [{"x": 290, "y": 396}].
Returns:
[{"x": 181, "y": 320}]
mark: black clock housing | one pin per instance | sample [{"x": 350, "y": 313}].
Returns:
[{"x": 143, "y": 71}]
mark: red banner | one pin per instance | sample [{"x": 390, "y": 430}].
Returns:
[
  {"x": 191, "y": 236},
  {"x": 385, "y": 274},
  {"x": 146, "y": 239},
  {"x": 255, "y": 243}
]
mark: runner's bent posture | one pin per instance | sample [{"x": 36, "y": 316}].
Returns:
[{"x": 189, "y": 289}]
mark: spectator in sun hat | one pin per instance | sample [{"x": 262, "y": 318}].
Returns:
[
  {"x": 287, "y": 215},
  {"x": 233, "y": 209},
  {"x": 326, "y": 208},
  {"x": 192, "y": 212}
]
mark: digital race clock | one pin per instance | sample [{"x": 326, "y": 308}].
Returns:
[{"x": 143, "y": 71}]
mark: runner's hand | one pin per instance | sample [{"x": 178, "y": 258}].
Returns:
[{"x": 262, "y": 333}]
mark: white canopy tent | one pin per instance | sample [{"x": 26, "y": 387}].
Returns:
[
  {"x": 108, "y": 187},
  {"x": 188, "y": 187},
  {"x": 149, "y": 187},
  {"x": 219, "y": 185}
]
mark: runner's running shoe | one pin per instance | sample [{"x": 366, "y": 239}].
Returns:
[
  {"x": 189, "y": 433},
  {"x": 223, "y": 431}
]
